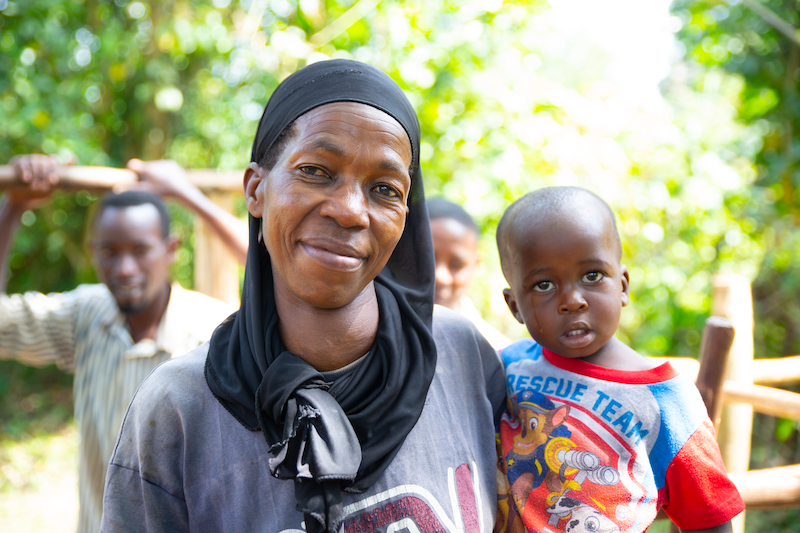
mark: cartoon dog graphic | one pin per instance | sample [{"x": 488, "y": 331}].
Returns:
[
  {"x": 539, "y": 450},
  {"x": 535, "y": 422},
  {"x": 540, "y": 421},
  {"x": 581, "y": 517}
]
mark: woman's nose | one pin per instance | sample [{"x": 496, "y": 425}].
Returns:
[{"x": 348, "y": 206}]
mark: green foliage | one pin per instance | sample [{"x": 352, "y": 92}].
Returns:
[
  {"x": 503, "y": 110},
  {"x": 730, "y": 41},
  {"x": 505, "y": 106},
  {"x": 764, "y": 63}
]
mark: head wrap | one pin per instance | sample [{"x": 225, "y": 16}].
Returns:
[{"x": 340, "y": 436}]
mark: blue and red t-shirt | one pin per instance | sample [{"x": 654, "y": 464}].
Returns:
[{"x": 587, "y": 448}]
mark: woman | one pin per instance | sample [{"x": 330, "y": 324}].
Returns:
[{"x": 333, "y": 400}]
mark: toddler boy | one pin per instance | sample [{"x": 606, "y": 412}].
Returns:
[{"x": 595, "y": 437}]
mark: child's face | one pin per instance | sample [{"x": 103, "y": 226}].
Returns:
[
  {"x": 455, "y": 248},
  {"x": 567, "y": 284}
]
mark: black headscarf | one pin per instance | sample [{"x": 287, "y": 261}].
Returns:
[{"x": 330, "y": 438}]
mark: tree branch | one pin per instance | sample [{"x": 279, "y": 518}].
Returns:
[
  {"x": 774, "y": 20},
  {"x": 341, "y": 24}
]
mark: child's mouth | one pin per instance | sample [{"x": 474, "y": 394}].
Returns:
[{"x": 578, "y": 337}]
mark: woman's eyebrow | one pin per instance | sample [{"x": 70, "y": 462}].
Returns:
[
  {"x": 328, "y": 146},
  {"x": 392, "y": 166}
]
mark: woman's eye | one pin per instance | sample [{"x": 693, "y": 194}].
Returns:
[
  {"x": 593, "y": 277},
  {"x": 313, "y": 171},
  {"x": 543, "y": 286},
  {"x": 387, "y": 190}
]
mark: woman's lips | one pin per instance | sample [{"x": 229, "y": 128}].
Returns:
[
  {"x": 334, "y": 258},
  {"x": 577, "y": 337}
]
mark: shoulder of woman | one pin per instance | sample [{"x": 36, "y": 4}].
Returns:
[
  {"x": 172, "y": 399},
  {"x": 451, "y": 330}
]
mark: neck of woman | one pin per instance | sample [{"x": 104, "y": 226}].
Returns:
[{"x": 328, "y": 339}]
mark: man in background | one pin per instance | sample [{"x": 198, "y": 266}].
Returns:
[
  {"x": 112, "y": 334},
  {"x": 455, "y": 245}
]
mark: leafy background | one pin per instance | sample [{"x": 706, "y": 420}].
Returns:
[{"x": 511, "y": 96}]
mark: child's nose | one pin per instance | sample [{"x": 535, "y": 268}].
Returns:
[{"x": 573, "y": 302}]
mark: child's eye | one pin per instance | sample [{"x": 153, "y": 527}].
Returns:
[
  {"x": 593, "y": 277},
  {"x": 543, "y": 286}
]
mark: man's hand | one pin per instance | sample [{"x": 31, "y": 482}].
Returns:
[
  {"x": 40, "y": 173},
  {"x": 169, "y": 179},
  {"x": 165, "y": 178}
]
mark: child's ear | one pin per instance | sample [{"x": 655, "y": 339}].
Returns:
[
  {"x": 626, "y": 285},
  {"x": 512, "y": 305}
]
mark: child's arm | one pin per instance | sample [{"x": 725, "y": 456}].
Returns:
[{"x": 722, "y": 528}]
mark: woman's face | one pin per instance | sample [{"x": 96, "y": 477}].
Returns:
[{"x": 334, "y": 205}]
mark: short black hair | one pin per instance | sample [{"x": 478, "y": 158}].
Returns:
[
  {"x": 547, "y": 199},
  {"x": 441, "y": 208},
  {"x": 132, "y": 199},
  {"x": 274, "y": 152}
]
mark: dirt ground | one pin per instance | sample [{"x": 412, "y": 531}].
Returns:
[{"x": 39, "y": 483}]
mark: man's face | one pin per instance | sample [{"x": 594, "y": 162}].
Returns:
[
  {"x": 567, "y": 284},
  {"x": 131, "y": 256},
  {"x": 455, "y": 247},
  {"x": 334, "y": 205}
]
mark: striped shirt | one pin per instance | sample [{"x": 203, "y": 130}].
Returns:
[{"x": 83, "y": 331}]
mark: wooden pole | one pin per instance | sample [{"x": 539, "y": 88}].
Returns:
[
  {"x": 104, "y": 178},
  {"x": 768, "y": 400},
  {"x": 770, "y": 488},
  {"x": 216, "y": 270},
  {"x": 718, "y": 337},
  {"x": 778, "y": 371},
  {"x": 732, "y": 299},
  {"x": 76, "y": 178}
]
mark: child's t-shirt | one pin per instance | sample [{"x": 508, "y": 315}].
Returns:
[{"x": 590, "y": 449}]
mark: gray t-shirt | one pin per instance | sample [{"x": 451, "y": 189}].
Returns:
[{"x": 183, "y": 463}]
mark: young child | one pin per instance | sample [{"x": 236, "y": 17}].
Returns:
[{"x": 595, "y": 437}]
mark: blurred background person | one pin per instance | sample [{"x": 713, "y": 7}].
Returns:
[
  {"x": 455, "y": 245},
  {"x": 111, "y": 335}
]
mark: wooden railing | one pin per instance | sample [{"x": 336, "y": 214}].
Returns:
[{"x": 733, "y": 385}]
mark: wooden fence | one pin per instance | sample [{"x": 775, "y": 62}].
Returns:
[{"x": 734, "y": 385}]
